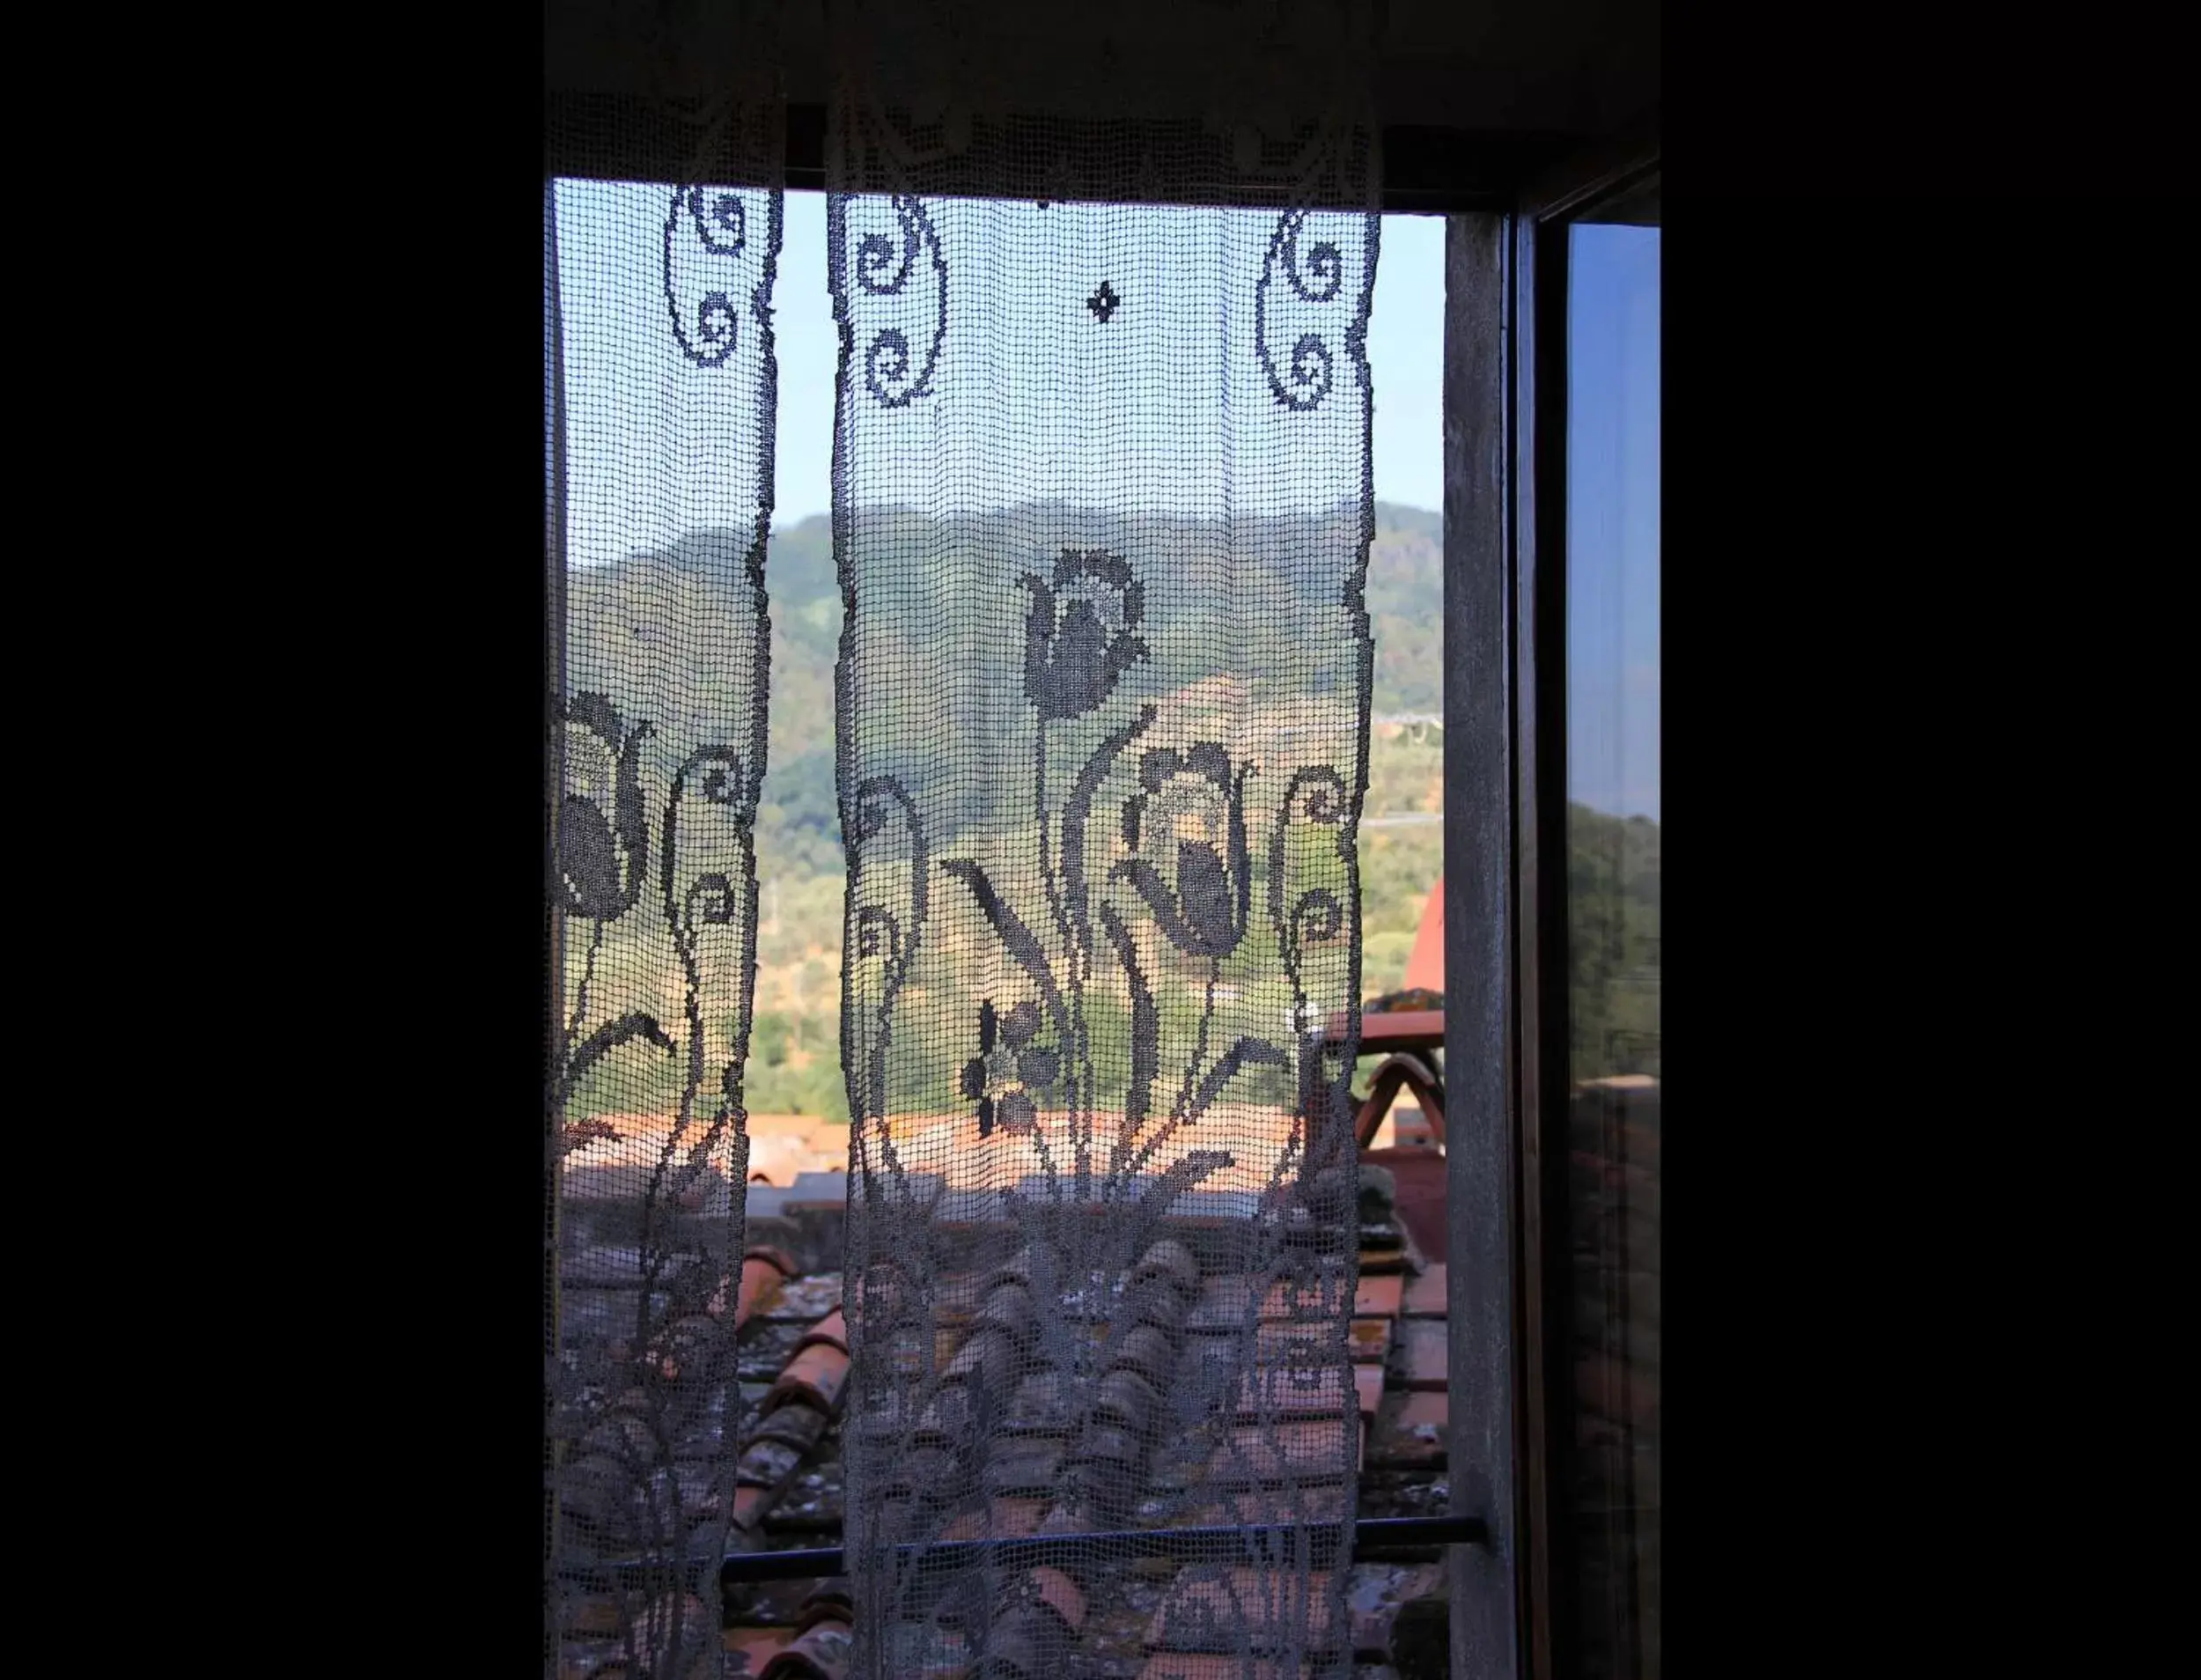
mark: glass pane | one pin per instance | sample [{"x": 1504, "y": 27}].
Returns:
[{"x": 1612, "y": 664}]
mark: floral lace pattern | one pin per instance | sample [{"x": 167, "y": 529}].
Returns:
[
  {"x": 658, "y": 734},
  {"x": 1103, "y": 901}
]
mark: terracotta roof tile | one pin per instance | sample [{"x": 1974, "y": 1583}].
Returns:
[
  {"x": 1378, "y": 1297},
  {"x": 834, "y": 1596},
  {"x": 655, "y": 1645},
  {"x": 816, "y": 1374},
  {"x": 1223, "y": 1301},
  {"x": 1369, "y": 1340},
  {"x": 802, "y": 1300},
  {"x": 1296, "y": 1391},
  {"x": 1374, "y": 1595},
  {"x": 1146, "y": 1349},
  {"x": 1025, "y": 1639},
  {"x": 1425, "y": 1295},
  {"x": 749, "y": 1505},
  {"x": 594, "y": 1617},
  {"x": 763, "y": 1269},
  {"x": 1418, "y": 1180},
  {"x": 1125, "y": 1397},
  {"x": 1007, "y": 1518},
  {"x": 1368, "y": 1382},
  {"x": 1422, "y": 1353},
  {"x": 1409, "y": 1431},
  {"x": 749, "y": 1648},
  {"x": 770, "y": 1603},
  {"x": 791, "y": 1418},
  {"x": 821, "y": 1652},
  {"x": 1205, "y": 1613},
  {"x": 1256, "y": 1453},
  {"x": 793, "y": 1334},
  {"x": 1299, "y": 1503},
  {"x": 1168, "y": 1261},
  {"x": 1061, "y": 1594},
  {"x": 764, "y": 1351},
  {"x": 832, "y": 1329},
  {"x": 1009, "y": 1308},
  {"x": 769, "y": 1464},
  {"x": 1184, "y": 1665},
  {"x": 812, "y": 1507},
  {"x": 1028, "y": 1468},
  {"x": 797, "y": 1425}
]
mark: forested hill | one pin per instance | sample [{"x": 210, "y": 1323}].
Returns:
[
  {"x": 674, "y": 621},
  {"x": 1404, "y": 600},
  {"x": 1404, "y": 605}
]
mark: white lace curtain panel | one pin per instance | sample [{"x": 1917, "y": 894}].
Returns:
[
  {"x": 661, "y": 353},
  {"x": 1101, "y": 511}
]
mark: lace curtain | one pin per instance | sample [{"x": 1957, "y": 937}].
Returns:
[
  {"x": 1102, "y": 514},
  {"x": 1102, "y": 510},
  {"x": 660, "y": 401}
]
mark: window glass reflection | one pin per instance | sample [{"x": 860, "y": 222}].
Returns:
[{"x": 1612, "y": 894}]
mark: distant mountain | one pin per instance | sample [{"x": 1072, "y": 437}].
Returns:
[
  {"x": 637, "y": 621},
  {"x": 668, "y": 631},
  {"x": 1405, "y": 600}
]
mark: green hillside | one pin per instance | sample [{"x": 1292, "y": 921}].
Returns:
[{"x": 619, "y": 620}]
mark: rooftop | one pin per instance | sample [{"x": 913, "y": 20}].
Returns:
[{"x": 792, "y": 1360}]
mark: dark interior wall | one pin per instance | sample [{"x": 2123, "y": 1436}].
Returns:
[{"x": 1555, "y": 67}]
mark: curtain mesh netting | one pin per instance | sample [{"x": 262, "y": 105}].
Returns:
[
  {"x": 1102, "y": 509},
  {"x": 662, "y": 405}
]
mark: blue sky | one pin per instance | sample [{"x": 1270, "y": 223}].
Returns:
[
  {"x": 630, "y": 399},
  {"x": 1613, "y": 520},
  {"x": 1405, "y": 336}
]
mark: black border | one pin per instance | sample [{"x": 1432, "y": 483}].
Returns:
[
  {"x": 401, "y": 296},
  {"x": 369, "y": 471}
]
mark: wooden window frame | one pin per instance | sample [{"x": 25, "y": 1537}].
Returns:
[{"x": 1504, "y": 655}]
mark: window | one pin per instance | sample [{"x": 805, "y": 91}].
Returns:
[
  {"x": 1582, "y": 826},
  {"x": 664, "y": 461},
  {"x": 1590, "y": 1091},
  {"x": 1612, "y": 910}
]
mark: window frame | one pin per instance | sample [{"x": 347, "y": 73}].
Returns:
[
  {"x": 1482, "y": 1448},
  {"x": 1505, "y": 663},
  {"x": 1504, "y": 384},
  {"x": 1550, "y": 210}
]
